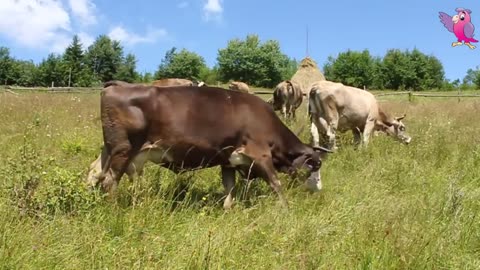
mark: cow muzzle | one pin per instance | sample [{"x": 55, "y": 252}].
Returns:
[
  {"x": 405, "y": 139},
  {"x": 314, "y": 181}
]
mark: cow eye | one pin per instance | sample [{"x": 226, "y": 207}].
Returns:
[
  {"x": 402, "y": 128},
  {"x": 314, "y": 165}
]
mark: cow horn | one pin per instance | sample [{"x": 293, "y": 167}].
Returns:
[
  {"x": 322, "y": 149},
  {"x": 401, "y": 117}
]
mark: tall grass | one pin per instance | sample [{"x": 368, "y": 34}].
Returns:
[{"x": 386, "y": 207}]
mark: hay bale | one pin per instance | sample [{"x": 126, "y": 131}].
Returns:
[{"x": 307, "y": 74}]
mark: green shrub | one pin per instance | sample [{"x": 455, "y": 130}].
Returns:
[
  {"x": 36, "y": 191},
  {"x": 73, "y": 145}
]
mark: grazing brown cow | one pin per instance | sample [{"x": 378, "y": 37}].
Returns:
[
  {"x": 239, "y": 86},
  {"x": 181, "y": 128},
  {"x": 337, "y": 107},
  {"x": 287, "y": 97}
]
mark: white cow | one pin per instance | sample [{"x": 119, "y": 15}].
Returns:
[{"x": 337, "y": 107}]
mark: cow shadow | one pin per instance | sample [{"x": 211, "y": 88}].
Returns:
[
  {"x": 246, "y": 193},
  {"x": 182, "y": 193}
]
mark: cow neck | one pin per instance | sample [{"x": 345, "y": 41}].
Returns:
[
  {"x": 385, "y": 117},
  {"x": 293, "y": 145}
]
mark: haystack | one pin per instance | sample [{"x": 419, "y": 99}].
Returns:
[{"x": 307, "y": 74}]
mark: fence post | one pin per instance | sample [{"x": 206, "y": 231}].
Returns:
[
  {"x": 410, "y": 96},
  {"x": 459, "y": 90}
]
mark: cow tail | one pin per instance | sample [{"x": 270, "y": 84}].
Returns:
[
  {"x": 291, "y": 90},
  {"x": 106, "y": 156},
  {"x": 313, "y": 102}
]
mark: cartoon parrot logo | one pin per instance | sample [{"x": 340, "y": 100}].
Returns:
[{"x": 461, "y": 26}]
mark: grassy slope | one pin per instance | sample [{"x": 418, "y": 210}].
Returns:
[{"x": 387, "y": 207}]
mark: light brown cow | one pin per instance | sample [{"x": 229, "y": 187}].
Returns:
[
  {"x": 337, "y": 107},
  {"x": 239, "y": 86},
  {"x": 172, "y": 82},
  {"x": 287, "y": 97}
]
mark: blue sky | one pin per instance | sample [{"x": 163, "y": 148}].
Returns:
[{"x": 33, "y": 28}]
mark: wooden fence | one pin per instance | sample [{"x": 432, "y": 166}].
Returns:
[
  {"x": 17, "y": 90},
  {"x": 411, "y": 94}
]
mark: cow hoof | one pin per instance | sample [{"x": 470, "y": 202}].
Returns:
[
  {"x": 228, "y": 203},
  {"x": 313, "y": 187}
]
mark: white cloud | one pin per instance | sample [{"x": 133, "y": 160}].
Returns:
[
  {"x": 59, "y": 44},
  {"x": 153, "y": 35},
  {"x": 183, "y": 4},
  {"x": 212, "y": 10},
  {"x": 84, "y": 10},
  {"x": 46, "y": 25},
  {"x": 40, "y": 23},
  {"x": 86, "y": 39}
]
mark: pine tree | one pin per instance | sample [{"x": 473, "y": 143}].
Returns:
[
  {"x": 73, "y": 60},
  {"x": 126, "y": 71}
]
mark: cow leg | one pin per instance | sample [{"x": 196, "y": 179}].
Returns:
[
  {"x": 118, "y": 166},
  {"x": 120, "y": 158},
  {"x": 315, "y": 133},
  {"x": 319, "y": 126},
  {"x": 228, "y": 180},
  {"x": 323, "y": 128},
  {"x": 94, "y": 170},
  {"x": 293, "y": 112},
  {"x": 267, "y": 171},
  {"x": 138, "y": 163},
  {"x": 260, "y": 159},
  {"x": 289, "y": 110},
  {"x": 369, "y": 126},
  {"x": 331, "y": 133},
  {"x": 284, "y": 110},
  {"x": 131, "y": 170},
  {"x": 357, "y": 136}
]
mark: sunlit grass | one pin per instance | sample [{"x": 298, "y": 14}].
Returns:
[{"x": 387, "y": 207}]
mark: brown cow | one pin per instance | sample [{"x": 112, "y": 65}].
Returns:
[
  {"x": 287, "y": 97},
  {"x": 239, "y": 86},
  {"x": 181, "y": 128}
]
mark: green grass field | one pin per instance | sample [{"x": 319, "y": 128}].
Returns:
[{"x": 390, "y": 206}]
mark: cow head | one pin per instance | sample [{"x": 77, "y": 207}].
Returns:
[
  {"x": 310, "y": 161},
  {"x": 199, "y": 83},
  {"x": 276, "y": 105},
  {"x": 395, "y": 128},
  {"x": 275, "y": 100}
]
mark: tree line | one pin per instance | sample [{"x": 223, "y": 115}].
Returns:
[{"x": 249, "y": 60}]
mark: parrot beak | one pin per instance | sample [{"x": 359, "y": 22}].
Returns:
[{"x": 455, "y": 19}]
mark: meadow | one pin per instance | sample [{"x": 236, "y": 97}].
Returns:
[{"x": 389, "y": 206}]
